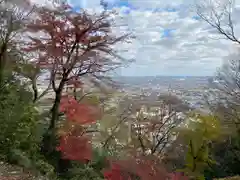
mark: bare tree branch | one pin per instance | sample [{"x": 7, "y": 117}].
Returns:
[{"x": 217, "y": 19}]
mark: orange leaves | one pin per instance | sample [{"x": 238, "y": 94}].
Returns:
[{"x": 77, "y": 112}]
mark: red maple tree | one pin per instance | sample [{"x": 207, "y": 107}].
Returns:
[
  {"x": 67, "y": 46},
  {"x": 74, "y": 144},
  {"x": 75, "y": 147},
  {"x": 70, "y": 45},
  {"x": 78, "y": 112}
]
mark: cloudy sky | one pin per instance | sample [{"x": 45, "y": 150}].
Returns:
[{"x": 170, "y": 38}]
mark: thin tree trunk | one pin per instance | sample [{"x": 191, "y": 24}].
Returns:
[
  {"x": 48, "y": 143},
  {"x": 35, "y": 90},
  {"x": 2, "y": 62},
  {"x": 55, "y": 110},
  {"x": 56, "y": 104}
]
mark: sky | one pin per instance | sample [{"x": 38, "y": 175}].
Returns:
[{"x": 170, "y": 38}]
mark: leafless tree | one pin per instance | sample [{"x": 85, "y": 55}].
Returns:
[
  {"x": 224, "y": 99},
  {"x": 12, "y": 18},
  {"x": 219, "y": 14},
  {"x": 152, "y": 122}
]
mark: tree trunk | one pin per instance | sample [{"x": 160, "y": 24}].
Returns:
[
  {"x": 55, "y": 110},
  {"x": 49, "y": 139},
  {"x": 2, "y": 62},
  {"x": 35, "y": 90}
]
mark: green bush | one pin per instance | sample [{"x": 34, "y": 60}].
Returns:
[
  {"x": 21, "y": 132},
  {"x": 90, "y": 171}
]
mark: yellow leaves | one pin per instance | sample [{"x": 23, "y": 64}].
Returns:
[
  {"x": 206, "y": 126},
  {"x": 202, "y": 130}
]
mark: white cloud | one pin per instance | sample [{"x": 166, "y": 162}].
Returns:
[{"x": 191, "y": 49}]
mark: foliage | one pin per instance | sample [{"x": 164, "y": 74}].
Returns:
[
  {"x": 201, "y": 132},
  {"x": 92, "y": 170},
  {"x": 144, "y": 124},
  {"x": 21, "y": 130},
  {"x": 74, "y": 144},
  {"x": 12, "y": 21},
  {"x": 76, "y": 46},
  {"x": 226, "y": 108},
  {"x": 140, "y": 168},
  {"x": 19, "y": 116},
  {"x": 226, "y": 154}
]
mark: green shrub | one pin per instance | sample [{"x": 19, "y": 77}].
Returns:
[{"x": 20, "y": 129}]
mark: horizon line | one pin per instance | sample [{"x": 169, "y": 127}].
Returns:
[{"x": 166, "y": 76}]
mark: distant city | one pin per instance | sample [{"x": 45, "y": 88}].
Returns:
[{"x": 189, "y": 88}]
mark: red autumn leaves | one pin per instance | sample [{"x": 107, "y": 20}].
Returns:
[
  {"x": 55, "y": 57},
  {"x": 74, "y": 145},
  {"x": 143, "y": 167},
  {"x": 116, "y": 173},
  {"x": 78, "y": 112}
]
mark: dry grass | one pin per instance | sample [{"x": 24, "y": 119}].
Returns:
[{"x": 11, "y": 172}]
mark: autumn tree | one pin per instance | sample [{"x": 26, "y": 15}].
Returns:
[
  {"x": 221, "y": 17},
  {"x": 154, "y": 126},
  {"x": 226, "y": 107},
  {"x": 70, "y": 45},
  {"x": 226, "y": 94},
  {"x": 142, "y": 124},
  {"x": 135, "y": 167},
  {"x": 140, "y": 167},
  {"x": 201, "y": 131}
]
